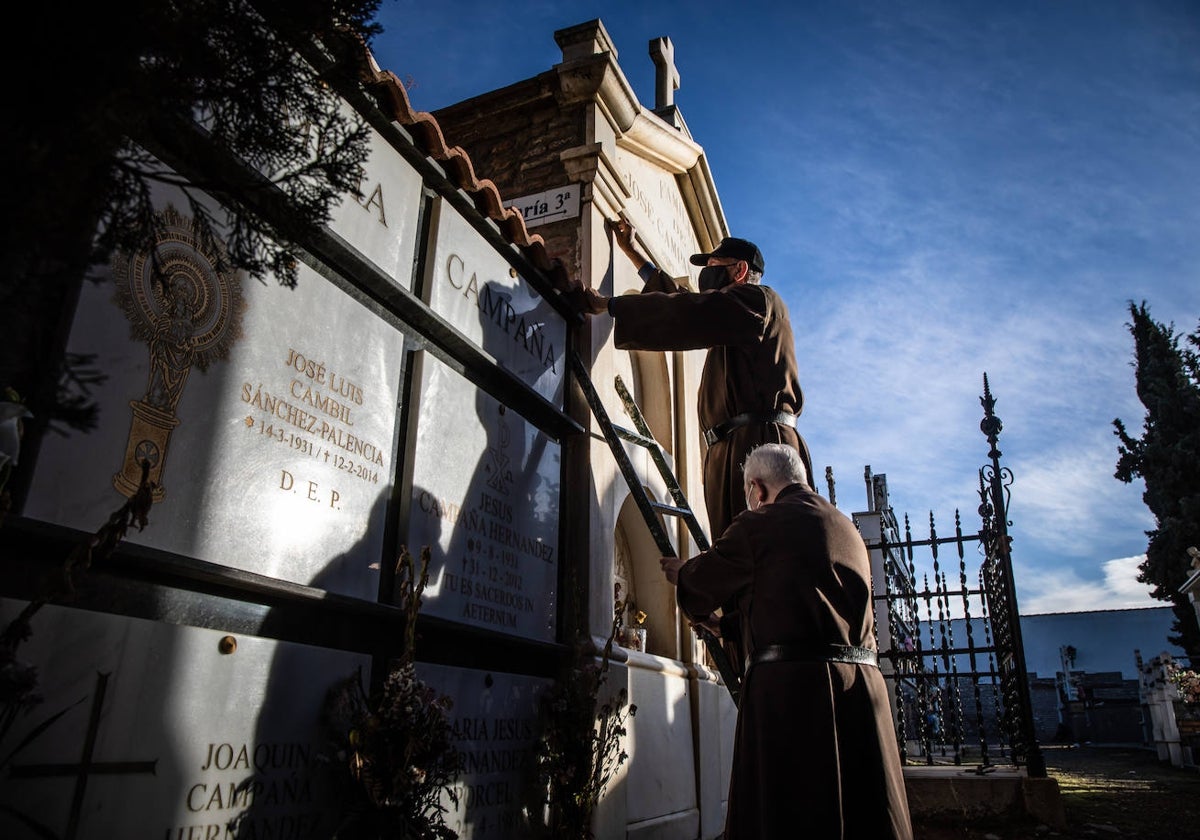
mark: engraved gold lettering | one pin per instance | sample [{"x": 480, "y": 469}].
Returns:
[
  {"x": 304, "y": 406},
  {"x": 310, "y": 368},
  {"x": 346, "y": 388},
  {"x": 351, "y": 443},
  {"x": 321, "y": 402},
  {"x": 440, "y": 508}
]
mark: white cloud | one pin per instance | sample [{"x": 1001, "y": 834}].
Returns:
[
  {"x": 1069, "y": 502},
  {"x": 1062, "y": 589},
  {"x": 1120, "y": 577}
]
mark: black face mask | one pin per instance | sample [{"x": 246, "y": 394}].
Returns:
[{"x": 714, "y": 277}]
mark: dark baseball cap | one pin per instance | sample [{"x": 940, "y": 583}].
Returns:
[{"x": 734, "y": 249}]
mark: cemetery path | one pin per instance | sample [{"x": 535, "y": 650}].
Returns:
[{"x": 1107, "y": 791}]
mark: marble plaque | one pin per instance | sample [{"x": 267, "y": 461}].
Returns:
[
  {"x": 382, "y": 223},
  {"x": 267, "y": 414},
  {"x": 164, "y": 735},
  {"x": 495, "y": 719},
  {"x": 485, "y": 494},
  {"x": 657, "y": 211},
  {"x": 481, "y": 294}
]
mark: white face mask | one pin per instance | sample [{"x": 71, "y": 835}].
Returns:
[{"x": 749, "y": 502}]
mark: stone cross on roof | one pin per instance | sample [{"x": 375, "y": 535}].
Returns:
[{"x": 666, "y": 77}]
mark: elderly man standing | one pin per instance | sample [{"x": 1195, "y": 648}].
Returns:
[
  {"x": 815, "y": 754},
  {"x": 749, "y": 389}
]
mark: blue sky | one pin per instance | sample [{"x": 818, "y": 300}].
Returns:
[{"x": 940, "y": 189}]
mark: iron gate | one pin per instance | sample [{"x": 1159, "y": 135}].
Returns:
[{"x": 963, "y": 700}]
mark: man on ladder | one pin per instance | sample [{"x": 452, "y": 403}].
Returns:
[{"x": 749, "y": 389}]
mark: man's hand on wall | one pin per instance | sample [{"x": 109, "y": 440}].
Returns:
[
  {"x": 586, "y": 300},
  {"x": 623, "y": 233},
  {"x": 712, "y": 624},
  {"x": 671, "y": 567},
  {"x": 594, "y": 303}
]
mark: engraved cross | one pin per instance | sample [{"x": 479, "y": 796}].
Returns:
[{"x": 86, "y": 766}]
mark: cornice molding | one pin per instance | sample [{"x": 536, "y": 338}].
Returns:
[{"x": 589, "y": 73}]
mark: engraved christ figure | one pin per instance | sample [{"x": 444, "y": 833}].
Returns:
[
  {"x": 188, "y": 320},
  {"x": 172, "y": 347}
]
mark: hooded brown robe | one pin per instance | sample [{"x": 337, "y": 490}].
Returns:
[{"x": 815, "y": 752}]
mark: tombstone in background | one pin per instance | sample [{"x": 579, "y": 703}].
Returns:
[{"x": 1159, "y": 696}]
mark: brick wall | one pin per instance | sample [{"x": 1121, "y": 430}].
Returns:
[{"x": 515, "y": 137}]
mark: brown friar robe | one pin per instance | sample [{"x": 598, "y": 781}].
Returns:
[
  {"x": 750, "y": 367},
  {"x": 815, "y": 752}
]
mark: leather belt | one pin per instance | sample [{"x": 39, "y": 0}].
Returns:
[
  {"x": 850, "y": 654},
  {"x": 749, "y": 418}
]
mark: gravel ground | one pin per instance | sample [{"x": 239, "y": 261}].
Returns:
[{"x": 1107, "y": 791}]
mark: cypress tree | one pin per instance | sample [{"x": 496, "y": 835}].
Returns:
[
  {"x": 1167, "y": 458},
  {"x": 111, "y": 86}
]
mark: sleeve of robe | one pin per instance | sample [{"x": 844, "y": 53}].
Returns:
[
  {"x": 713, "y": 578},
  {"x": 659, "y": 320}
]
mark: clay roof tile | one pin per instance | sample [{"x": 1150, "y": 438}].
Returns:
[{"x": 392, "y": 98}]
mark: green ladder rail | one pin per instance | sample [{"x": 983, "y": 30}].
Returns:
[{"x": 644, "y": 438}]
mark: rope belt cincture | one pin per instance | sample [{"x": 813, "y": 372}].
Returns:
[
  {"x": 721, "y": 431},
  {"x": 849, "y": 654}
]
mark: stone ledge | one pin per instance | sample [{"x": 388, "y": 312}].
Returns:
[{"x": 958, "y": 792}]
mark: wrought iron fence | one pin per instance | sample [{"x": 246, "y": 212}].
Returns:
[{"x": 958, "y": 700}]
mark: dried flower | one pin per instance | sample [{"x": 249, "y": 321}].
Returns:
[
  {"x": 579, "y": 748},
  {"x": 397, "y": 744}
]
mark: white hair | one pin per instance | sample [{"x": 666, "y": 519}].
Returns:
[{"x": 775, "y": 465}]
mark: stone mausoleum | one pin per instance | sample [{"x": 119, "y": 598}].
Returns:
[{"x": 414, "y": 390}]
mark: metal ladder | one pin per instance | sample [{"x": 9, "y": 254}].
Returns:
[{"x": 643, "y": 437}]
